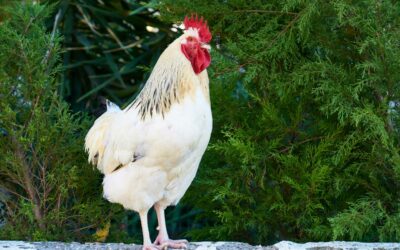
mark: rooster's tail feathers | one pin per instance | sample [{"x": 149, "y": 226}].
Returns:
[
  {"x": 95, "y": 141},
  {"x": 112, "y": 107}
]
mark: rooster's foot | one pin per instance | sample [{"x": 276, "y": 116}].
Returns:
[{"x": 176, "y": 244}]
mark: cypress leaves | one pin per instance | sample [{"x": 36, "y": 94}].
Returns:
[{"x": 305, "y": 100}]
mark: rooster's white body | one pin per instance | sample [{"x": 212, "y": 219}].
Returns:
[
  {"x": 149, "y": 152},
  {"x": 168, "y": 152}
]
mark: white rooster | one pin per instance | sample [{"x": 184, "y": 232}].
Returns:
[{"x": 149, "y": 152}]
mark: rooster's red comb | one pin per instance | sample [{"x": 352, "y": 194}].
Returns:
[{"x": 200, "y": 25}]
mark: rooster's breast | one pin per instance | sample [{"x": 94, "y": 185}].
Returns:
[
  {"x": 167, "y": 153},
  {"x": 179, "y": 138}
]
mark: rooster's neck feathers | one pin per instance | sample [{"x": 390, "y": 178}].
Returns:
[{"x": 171, "y": 80}]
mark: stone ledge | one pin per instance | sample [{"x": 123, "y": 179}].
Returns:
[
  {"x": 336, "y": 245},
  {"x": 283, "y": 245}
]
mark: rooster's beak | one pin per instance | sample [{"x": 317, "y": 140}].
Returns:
[{"x": 206, "y": 46}]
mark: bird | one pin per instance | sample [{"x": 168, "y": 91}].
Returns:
[{"x": 150, "y": 151}]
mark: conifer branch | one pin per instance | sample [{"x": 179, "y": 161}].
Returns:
[
  {"x": 87, "y": 21},
  {"x": 300, "y": 143},
  {"x": 28, "y": 182},
  {"x": 287, "y": 27},
  {"x": 52, "y": 37},
  {"x": 267, "y": 11},
  {"x": 13, "y": 192},
  {"x": 45, "y": 62}
]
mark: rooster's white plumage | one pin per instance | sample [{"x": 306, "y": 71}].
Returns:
[{"x": 149, "y": 152}]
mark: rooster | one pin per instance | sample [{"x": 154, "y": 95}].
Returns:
[{"x": 150, "y": 151}]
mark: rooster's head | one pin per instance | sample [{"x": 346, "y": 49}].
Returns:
[{"x": 194, "y": 43}]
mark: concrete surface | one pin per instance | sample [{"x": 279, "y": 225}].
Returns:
[
  {"x": 336, "y": 245},
  {"x": 283, "y": 245},
  {"x": 19, "y": 245}
]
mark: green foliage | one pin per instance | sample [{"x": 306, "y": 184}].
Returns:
[
  {"x": 48, "y": 189},
  {"x": 305, "y": 98},
  {"x": 108, "y": 49}
]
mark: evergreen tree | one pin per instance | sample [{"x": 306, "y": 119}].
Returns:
[
  {"x": 109, "y": 47},
  {"x": 46, "y": 187},
  {"x": 305, "y": 98}
]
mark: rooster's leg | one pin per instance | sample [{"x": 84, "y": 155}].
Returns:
[
  {"x": 146, "y": 235},
  {"x": 162, "y": 239}
]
